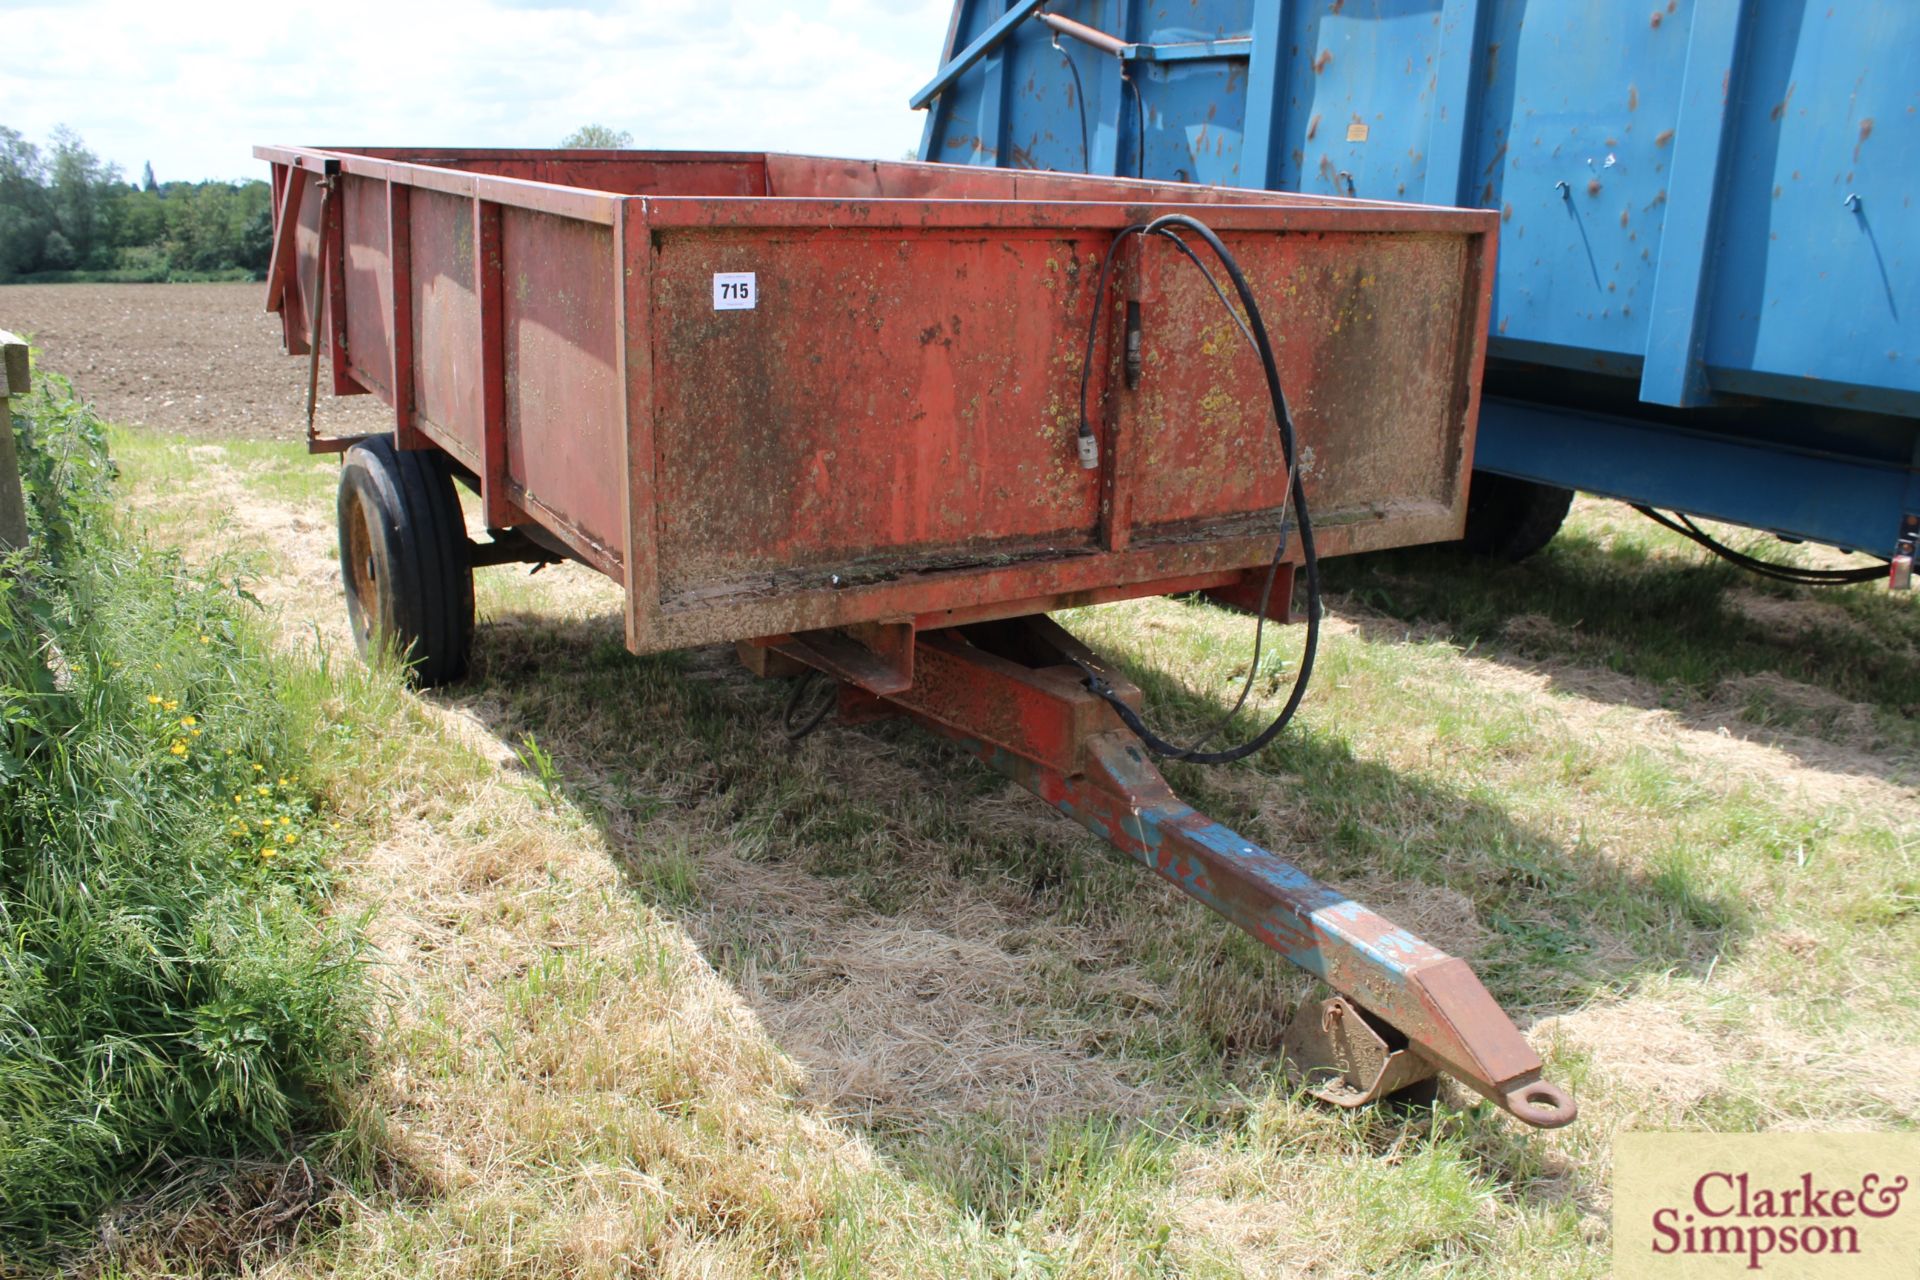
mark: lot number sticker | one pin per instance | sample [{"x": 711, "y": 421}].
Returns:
[{"x": 734, "y": 291}]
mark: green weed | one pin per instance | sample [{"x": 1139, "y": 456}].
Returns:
[{"x": 170, "y": 990}]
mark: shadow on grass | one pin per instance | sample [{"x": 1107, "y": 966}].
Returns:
[
  {"x": 679, "y": 761},
  {"x": 1828, "y": 675}
]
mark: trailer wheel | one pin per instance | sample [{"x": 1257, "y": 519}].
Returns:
[
  {"x": 1510, "y": 519},
  {"x": 404, "y": 559}
]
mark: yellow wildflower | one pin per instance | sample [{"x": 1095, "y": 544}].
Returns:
[
  {"x": 187, "y": 722},
  {"x": 288, "y": 838},
  {"x": 267, "y": 851},
  {"x": 263, "y": 791},
  {"x": 284, "y": 819},
  {"x": 170, "y": 705},
  {"x": 193, "y": 733},
  {"x": 179, "y": 747},
  {"x": 153, "y": 699},
  {"x": 206, "y": 639},
  {"x": 259, "y": 768}
]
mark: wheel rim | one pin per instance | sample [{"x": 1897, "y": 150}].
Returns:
[{"x": 363, "y": 597}]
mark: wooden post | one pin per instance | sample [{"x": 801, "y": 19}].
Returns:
[{"x": 13, "y": 504}]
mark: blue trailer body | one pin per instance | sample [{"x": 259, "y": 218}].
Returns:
[{"x": 1708, "y": 295}]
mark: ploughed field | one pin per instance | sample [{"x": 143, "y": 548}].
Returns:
[
  {"x": 196, "y": 359},
  {"x": 667, "y": 993}
]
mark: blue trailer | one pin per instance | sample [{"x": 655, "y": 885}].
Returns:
[{"x": 1707, "y": 298}]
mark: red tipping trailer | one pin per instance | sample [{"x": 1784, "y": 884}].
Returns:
[{"x": 829, "y": 410}]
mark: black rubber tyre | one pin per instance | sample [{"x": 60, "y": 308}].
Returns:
[
  {"x": 1510, "y": 519},
  {"x": 404, "y": 559}
]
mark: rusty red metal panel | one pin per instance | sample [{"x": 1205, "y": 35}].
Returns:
[
  {"x": 302, "y": 272},
  {"x": 623, "y": 171},
  {"x": 367, "y": 284},
  {"x": 627, "y": 174},
  {"x": 446, "y": 320},
  {"x": 563, "y": 412},
  {"x": 1366, "y": 332},
  {"x": 498, "y": 175},
  {"x": 1068, "y": 215},
  {"x": 817, "y": 177},
  {"x": 428, "y": 171},
  {"x": 290, "y": 187},
  {"x": 808, "y": 178},
  {"x": 901, "y": 398}
]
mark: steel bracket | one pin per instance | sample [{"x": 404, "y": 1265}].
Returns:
[
  {"x": 875, "y": 656},
  {"x": 1343, "y": 1055}
]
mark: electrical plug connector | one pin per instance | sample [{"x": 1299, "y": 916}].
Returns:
[{"x": 1089, "y": 449}]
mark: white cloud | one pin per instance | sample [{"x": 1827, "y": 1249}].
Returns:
[{"x": 193, "y": 86}]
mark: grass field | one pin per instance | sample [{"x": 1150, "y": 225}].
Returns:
[
  {"x": 663, "y": 994},
  {"x": 175, "y": 994}
]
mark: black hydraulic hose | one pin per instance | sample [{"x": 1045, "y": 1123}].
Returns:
[
  {"x": 1140, "y": 134},
  {"x": 1683, "y": 525},
  {"x": 796, "y": 721},
  {"x": 1080, "y": 101},
  {"x": 1256, "y": 330}
]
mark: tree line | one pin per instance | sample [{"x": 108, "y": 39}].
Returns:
[{"x": 66, "y": 215}]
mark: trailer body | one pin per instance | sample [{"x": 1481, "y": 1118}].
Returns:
[
  {"x": 830, "y": 411},
  {"x": 886, "y": 434},
  {"x": 1708, "y": 282}
]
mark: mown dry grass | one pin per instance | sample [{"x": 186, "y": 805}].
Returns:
[{"x": 670, "y": 996}]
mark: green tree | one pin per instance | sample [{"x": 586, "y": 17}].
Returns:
[
  {"x": 59, "y": 252},
  {"x": 77, "y": 183},
  {"x": 63, "y": 209},
  {"x": 142, "y": 219},
  {"x": 25, "y": 214},
  {"x": 597, "y": 137},
  {"x": 256, "y": 240}
]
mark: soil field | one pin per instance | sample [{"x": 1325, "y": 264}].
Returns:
[
  {"x": 197, "y": 359},
  {"x": 670, "y": 995}
]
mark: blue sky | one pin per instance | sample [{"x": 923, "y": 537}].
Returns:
[{"x": 192, "y": 86}]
